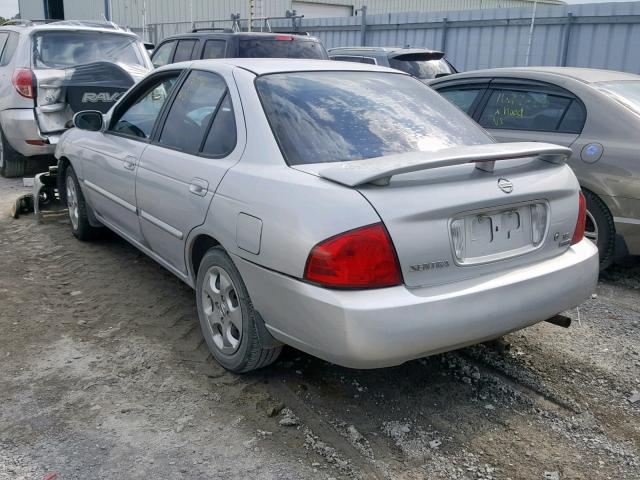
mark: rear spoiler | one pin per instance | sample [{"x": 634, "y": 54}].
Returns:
[{"x": 379, "y": 171}]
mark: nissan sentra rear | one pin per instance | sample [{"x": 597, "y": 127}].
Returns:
[{"x": 344, "y": 209}]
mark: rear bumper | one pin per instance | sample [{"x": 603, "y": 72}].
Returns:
[
  {"x": 19, "y": 125},
  {"x": 385, "y": 327}
]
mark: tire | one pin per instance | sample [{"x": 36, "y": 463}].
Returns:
[
  {"x": 228, "y": 321},
  {"x": 77, "y": 208},
  {"x": 12, "y": 164},
  {"x": 600, "y": 228}
]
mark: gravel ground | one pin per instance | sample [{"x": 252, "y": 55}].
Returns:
[{"x": 105, "y": 375}]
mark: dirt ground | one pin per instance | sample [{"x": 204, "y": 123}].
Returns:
[{"x": 104, "y": 374}]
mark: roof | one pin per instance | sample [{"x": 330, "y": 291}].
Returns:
[
  {"x": 585, "y": 75},
  {"x": 263, "y": 66},
  {"x": 218, "y": 33},
  {"x": 387, "y": 50},
  {"x": 67, "y": 25}
]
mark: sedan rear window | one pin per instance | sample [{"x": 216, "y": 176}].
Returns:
[
  {"x": 286, "y": 47},
  {"x": 422, "y": 66},
  {"x": 337, "y": 116},
  {"x": 69, "y": 49}
]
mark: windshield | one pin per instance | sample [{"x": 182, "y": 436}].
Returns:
[
  {"x": 626, "y": 92},
  {"x": 336, "y": 116},
  {"x": 286, "y": 48},
  {"x": 422, "y": 69},
  {"x": 69, "y": 49}
]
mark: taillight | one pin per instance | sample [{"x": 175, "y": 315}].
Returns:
[
  {"x": 578, "y": 233},
  {"x": 23, "y": 82},
  {"x": 283, "y": 37},
  {"x": 360, "y": 258}
]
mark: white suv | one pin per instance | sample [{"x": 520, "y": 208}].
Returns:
[{"x": 49, "y": 71}]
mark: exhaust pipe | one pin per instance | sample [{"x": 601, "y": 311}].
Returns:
[{"x": 560, "y": 320}]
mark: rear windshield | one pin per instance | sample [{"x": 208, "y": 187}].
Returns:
[
  {"x": 263, "y": 48},
  {"x": 421, "y": 68},
  {"x": 626, "y": 92},
  {"x": 336, "y": 116},
  {"x": 69, "y": 49}
]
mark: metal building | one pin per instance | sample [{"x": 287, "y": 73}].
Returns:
[{"x": 137, "y": 13}]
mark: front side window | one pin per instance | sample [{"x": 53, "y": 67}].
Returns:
[
  {"x": 462, "y": 98},
  {"x": 162, "y": 55},
  {"x": 192, "y": 111},
  {"x": 524, "y": 110},
  {"x": 337, "y": 116},
  {"x": 70, "y": 49},
  {"x": 422, "y": 66},
  {"x": 214, "y": 49},
  {"x": 139, "y": 118},
  {"x": 626, "y": 92},
  {"x": 282, "y": 46}
]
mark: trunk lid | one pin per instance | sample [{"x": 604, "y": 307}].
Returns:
[{"x": 452, "y": 220}]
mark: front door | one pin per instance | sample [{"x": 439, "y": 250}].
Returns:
[
  {"x": 181, "y": 169},
  {"x": 111, "y": 157}
]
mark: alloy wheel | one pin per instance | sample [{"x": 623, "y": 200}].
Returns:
[
  {"x": 72, "y": 202},
  {"x": 591, "y": 228},
  {"x": 222, "y": 310}
]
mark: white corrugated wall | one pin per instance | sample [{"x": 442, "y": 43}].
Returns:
[{"x": 130, "y": 12}]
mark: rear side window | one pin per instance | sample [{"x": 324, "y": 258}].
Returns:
[
  {"x": 222, "y": 136},
  {"x": 9, "y": 48},
  {"x": 214, "y": 49},
  {"x": 285, "y": 48},
  {"x": 184, "y": 50},
  {"x": 192, "y": 111},
  {"x": 524, "y": 110},
  {"x": 4, "y": 36},
  {"x": 162, "y": 55},
  {"x": 462, "y": 98},
  {"x": 336, "y": 116}
]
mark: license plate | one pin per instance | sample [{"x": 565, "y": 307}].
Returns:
[{"x": 496, "y": 234}]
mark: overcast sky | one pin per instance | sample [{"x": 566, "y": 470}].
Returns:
[{"x": 8, "y": 8}]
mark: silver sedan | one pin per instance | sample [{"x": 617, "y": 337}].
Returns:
[
  {"x": 596, "y": 113},
  {"x": 344, "y": 209}
]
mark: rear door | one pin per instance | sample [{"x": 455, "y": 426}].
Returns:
[
  {"x": 180, "y": 171},
  {"x": 520, "y": 111},
  {"x": 111, "y": 157}
]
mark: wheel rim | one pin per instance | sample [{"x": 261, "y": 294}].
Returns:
[
  {"x": 72, "y": 202},
  {"x": 591, "y": 228},
  {"x": 222, "y": 311}
]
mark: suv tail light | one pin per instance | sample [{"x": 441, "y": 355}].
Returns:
[
  {"x": 284, "y": 37},
  {"x": 360, "y": 258},
  {"x": 578, "y": 233},
  {"x": 23, "y": 82}
]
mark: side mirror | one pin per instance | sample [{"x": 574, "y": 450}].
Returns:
[{"x": 88, "y": 120}]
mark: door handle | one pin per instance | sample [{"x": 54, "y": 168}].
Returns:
[
  {"x": 130, "y": 163},
  {"x": 199, "y": 187}
]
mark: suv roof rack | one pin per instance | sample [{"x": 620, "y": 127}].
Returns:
[
  {"x": 212, "y": 29},
  {"x": 265, "y": 26}
]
